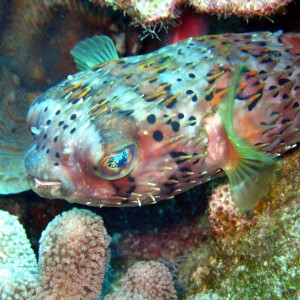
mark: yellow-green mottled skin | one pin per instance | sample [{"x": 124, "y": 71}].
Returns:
[{"x": 161, "y": 112}]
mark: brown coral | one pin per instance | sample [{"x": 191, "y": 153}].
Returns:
[
  {"x": 224, "y": 217},
  {"x": 154, "y": 12}
]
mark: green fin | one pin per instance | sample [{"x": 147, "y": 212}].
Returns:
[
  {"x": 94, "y": 51},
  {"x": 250, "y": 179}
]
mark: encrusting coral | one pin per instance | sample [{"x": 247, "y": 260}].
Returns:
[
  {"x": 152, "y": 12},
  {"x": 260, "y": 261}
]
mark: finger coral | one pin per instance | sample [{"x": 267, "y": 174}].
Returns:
[
  {"x": 72, "y": 258},
  {"x": 18, "y": 265},
  {"x": 155, "y": 11},
  {"x": 147, "y": 280},
  {"x": 73, "y": 255}
]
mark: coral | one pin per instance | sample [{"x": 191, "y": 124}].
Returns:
[
  {"x": 224, "y": 217},
  {"x": 154, "y": 12},
  {"x": 151, "y": 280},
  {"x": 168, "y": 243},
  {"x": 14, "y": 134},
  {"x": 204, "y": 297},
  {"x": 72, "y": 258},
  {"x": 18, "y": 265},
  {"x": 124, "y": 295},
  {"x": 236, "y": 265},
  {"x": 78, "y": 238},
  {"x": 40, "y": 33}
]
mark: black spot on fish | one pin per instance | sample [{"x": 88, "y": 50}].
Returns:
[
  {"x": 43, "y": 147},
  {"x": 175, "y": 126},
  {"x": 195, "y": 98},
  {"x": 57, "y": 155},
  {"x": 57, "y": 112},
  {"x": 173, "y": 180},
  {"x": 192, "y": 75},
  {"x": 48, "y": 122},
  {"x": 127, "y": 112},
  {"x": 197, "y": 160},
  {"x": 105, "y": 82},
  {"x": 282, "y": 81},
  {"x": 60, "y": 123},
  {"x": 296, "y": 104},
  {"x": 283, "y": 121},
  {"x": 253, "y": 103},
  {"x": 46, "y": 108},
  {"x": 180, "y": 116},
  {"x": 48, "y": 151},
  {"x": 172, "y": 103},
  {"x": 73, "y": 130},
  {"x": 175, "y": 154},
  {"x": 179, "y": 79},
  {"x": 262, "y": 72},
  {"x": 272, "y": 87},
  {"x": 184, "y": 170},
  {"x": 73, "y": 117},
  {"x": 45, "y": 136},
  {"x": 189, "y": 92},
  {"x": 209, "y": 97},
  {"x": 65, "y": 126},
  {"x": 56, "y": 164},
  {"x": 151, "y": 119},
  {"x": 131, "y": 179},
  {"x": 158, "y": 136},
  {"x": 193, "y": 120},
  {"x": 55, "y": 139}
]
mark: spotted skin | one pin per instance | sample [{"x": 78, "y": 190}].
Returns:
[{"x": 163, "y": 105}]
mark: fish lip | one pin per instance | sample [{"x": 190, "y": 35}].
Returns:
[
  {"x": 42, "y": 183},
  {"x": 48, "y": 188}
]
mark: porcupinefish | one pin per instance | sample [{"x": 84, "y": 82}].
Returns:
[{"x": 136, "y": 130}]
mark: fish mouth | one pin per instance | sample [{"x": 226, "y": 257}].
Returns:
[{"x": 49, "y": 188}]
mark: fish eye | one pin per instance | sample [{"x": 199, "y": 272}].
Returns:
[{"x": 118, "y": 164}]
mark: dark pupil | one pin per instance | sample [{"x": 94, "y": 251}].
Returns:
[{"x": 118, "y": 161}]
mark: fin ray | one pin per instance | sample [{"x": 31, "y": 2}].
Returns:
[
  {"x": 93, "y": 51},
  {"x": 250, "y": 177}
]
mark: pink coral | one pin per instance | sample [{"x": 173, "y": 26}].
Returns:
[
  {"x": 224, "y": 217},
  {"x": 73, "y": 256},
  {"x": 147, "y": 280}
]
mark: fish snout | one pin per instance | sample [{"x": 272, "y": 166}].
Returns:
[{"x": 46, "y": 179}]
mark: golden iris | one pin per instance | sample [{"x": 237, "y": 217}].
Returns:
[{"x": 118, "y": 164}]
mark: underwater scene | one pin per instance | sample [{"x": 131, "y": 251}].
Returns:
[{"x": 149, "y": 150}]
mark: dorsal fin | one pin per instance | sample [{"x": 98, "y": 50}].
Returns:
[{"x": 94, "y": 51}]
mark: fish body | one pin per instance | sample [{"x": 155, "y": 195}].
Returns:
[{"x": 140, "y": 129}]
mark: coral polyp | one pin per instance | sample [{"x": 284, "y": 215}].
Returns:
[{"x": 155, "y": 11}]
